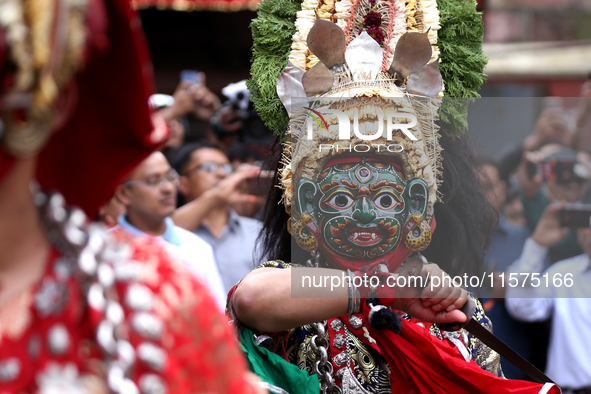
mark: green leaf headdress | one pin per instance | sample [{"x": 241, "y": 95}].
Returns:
[{"x": 412, "y": 46}]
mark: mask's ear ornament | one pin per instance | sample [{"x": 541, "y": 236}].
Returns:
[
  {"x": 410, "y": 65},
  {"x": 426, "y": 81},
  {"x": 317, "y": 80},
  {"x": 417, "y": 232},
  {"x": 305, "y": 232},
  {"x": 362, "y": 80}
]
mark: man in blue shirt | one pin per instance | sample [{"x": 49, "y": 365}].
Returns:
[
  {"x": 149, "y": 196},
  {"x": 209, "y": 186}
]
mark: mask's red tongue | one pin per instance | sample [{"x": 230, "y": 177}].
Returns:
[{"x": 365, "y": 237}]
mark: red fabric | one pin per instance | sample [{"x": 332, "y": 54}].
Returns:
[
  {"x": 110, "y": 130},
  {"x": 6, "y": 162},
  {"x": 423, "y": 363},
  {"x": 202, "y": 354}
]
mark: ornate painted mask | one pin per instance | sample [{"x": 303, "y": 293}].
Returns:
[{"x": 359, "y": 209}]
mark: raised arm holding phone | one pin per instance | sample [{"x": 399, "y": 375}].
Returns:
[{"x": 209, "y": 187}]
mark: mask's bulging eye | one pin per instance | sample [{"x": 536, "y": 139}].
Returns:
[
  {"x": 340, "y": 201},
  {"x": 386, "y": 201}
]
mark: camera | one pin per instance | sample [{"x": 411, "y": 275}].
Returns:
[
  {"x": 560, "y": 169},
  {"x": 253, "y": 131},
  {"x": 575, "y": 215}
]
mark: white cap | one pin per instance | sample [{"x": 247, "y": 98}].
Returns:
[{"x": 232, "y": 90}]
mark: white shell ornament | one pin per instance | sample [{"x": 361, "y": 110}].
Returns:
[{"x": 364, "y": 57}]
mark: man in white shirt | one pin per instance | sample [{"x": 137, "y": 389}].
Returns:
[
  {"x": 149, "y": 196},
  {"x": 562, "y": 292}
]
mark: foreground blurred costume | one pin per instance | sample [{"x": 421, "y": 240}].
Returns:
[
  {"x": 95, "y": 313},
  {"x": 355, "y": 211}
]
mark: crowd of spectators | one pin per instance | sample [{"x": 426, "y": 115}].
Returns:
[
  {"x": 541, "y": 234},
  {"x": 201, "y": 199}
]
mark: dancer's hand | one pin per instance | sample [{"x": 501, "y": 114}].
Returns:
[{"x": 438, "y": 302}]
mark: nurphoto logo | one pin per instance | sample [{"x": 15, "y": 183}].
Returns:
[
  {"x": 386, "y": 121},
  {"x": 345, "y": 124}
]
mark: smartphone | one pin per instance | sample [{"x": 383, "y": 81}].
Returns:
[
  {"x": 576, "y": 215},
  {"x": 192, "y": 76}
]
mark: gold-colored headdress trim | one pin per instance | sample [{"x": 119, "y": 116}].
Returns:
[{"x": 46, "y": 41}]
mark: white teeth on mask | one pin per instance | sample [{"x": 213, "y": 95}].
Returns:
[{"x": 364, "y": 234}]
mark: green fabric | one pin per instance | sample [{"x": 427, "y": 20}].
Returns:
[
  {"x": 272, "y": 369},
  {"x": 459, "y": 40}
]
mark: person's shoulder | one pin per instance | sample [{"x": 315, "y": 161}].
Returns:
[
  {"x": 189, "y": 238},
  {"x": 146, "y": 254},
  {"x": 573, "y": 265},
  {"x": 249, "y": 222},
  {"x": 516, "y": 231}
]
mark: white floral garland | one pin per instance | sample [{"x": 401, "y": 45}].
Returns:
[{"x": 340, "y": 12}]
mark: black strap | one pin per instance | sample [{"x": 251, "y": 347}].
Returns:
[
  {"x": 413, "y": 264},
  {"x": 486, "y": 337}
]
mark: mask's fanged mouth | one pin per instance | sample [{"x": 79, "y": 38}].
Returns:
[{"x": 364, "y": 236}]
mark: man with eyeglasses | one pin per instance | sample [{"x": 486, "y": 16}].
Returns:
[
  {"x": 149, "y": 196},
  {"x": 209, "y": 187}
]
